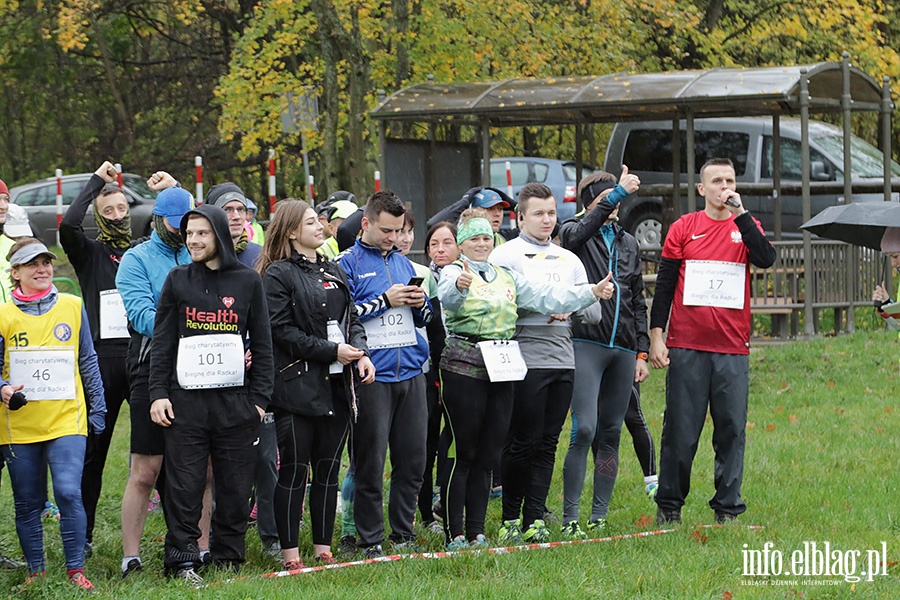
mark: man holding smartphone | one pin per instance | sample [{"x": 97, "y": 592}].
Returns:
[{"x": 392, "y": 410}]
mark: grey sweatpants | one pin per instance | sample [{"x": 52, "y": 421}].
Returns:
[
  {"x": 603, "y": 382},
  {"x": 394, "y": 414},
  {"x": 694, "y": 381}
]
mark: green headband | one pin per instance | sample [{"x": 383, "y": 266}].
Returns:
[{"x": 473, "y": 227}]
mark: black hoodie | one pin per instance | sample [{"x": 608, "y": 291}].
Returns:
[{"x": 196, "y": 301}]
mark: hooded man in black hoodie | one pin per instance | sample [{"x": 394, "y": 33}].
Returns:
[{"x": 207, "y": 396}]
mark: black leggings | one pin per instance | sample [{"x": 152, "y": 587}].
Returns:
[
  {"x": 305, "y": 441},
  {"x": 426, "y": 493},
  {"x": 640, "y": 433},
  {"x": 478, "y": 414}
]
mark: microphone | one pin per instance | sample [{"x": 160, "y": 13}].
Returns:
[{"x": 730, "y": 201}]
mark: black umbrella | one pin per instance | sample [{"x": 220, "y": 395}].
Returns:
[{"x": 859, "y": 223}]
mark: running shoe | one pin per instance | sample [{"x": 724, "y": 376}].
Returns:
[
  {"x": 78, "y": 579},
  {"x": 437, "y": 511},
  {"x": 326, "y": 558},
  {"x": 538, "y": 533},
  {"x": 723, "y": 517},
  {"x": 50, "y": 512},
  {"x": 651, "y": 488},
  {"x": 134, "y": 565},
  {"x": 511, "y": 533},
  {"x": 347, "y": 546},
  {"x": 373, "y": 552},
  {"x": 595, "y": 526},
  {"x": 573, "y": 531},
  {"x": 407, "y": 547},
  {"x": 480, "y": 542},
  {"x": 155, "y": 503},
  {"x": 10, "y": 564},
  {"x": 88, "y": 550},
  {"x": 33, "y": 578},
  {"x": 458, "y": 543},
  {"x": 295, "y": 564},
  {"x": 667, "y": 517},
  {"x": 189, "y": 576},
  {"x": 435, "y": 528},
  {"x": 496, "y": 492}
]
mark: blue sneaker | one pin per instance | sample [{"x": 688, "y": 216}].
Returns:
[
  {"x": 480, "y": 542},
  {"x": 458, "y": 543}
]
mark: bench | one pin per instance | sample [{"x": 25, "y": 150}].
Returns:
[{"x": 785, "y": 313}]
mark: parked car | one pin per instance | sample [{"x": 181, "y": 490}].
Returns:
[
  {"x": 558, "y": 175},
  {"x": 646, "y": 148},
  {"x": 39, "y": 200}
]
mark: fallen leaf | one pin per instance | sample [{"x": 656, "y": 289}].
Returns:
[
  {"x": 644, "y": 521},
  {"x": 750, "y": 425},
  {"x": 868, "y": 390},
  {"x": 784, "y": 384},
  {"x": 783, "y": 390},
  {"x": 793, "y": 419},
  {"x": 847, "y": 507},
  {"x": 879, "y": 430},
  {"x": 831, "y": 383},
  {"x": 727, "y": 596},
  {"x": 779, "y": 409},
  {"x": 825, "y": 358},
  {"x": 889, "y": 409},
  {"x": 839, "y": 410},
  {"x": 770, "y": 427},
  {"x": 697, "y": 536}
]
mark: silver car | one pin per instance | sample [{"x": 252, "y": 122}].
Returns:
[{"x": 39, "y": 200}]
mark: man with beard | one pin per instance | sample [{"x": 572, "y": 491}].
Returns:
[{"x": 208, "y": 399}]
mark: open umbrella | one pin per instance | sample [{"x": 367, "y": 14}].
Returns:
[{"x": 859, "y": 223}]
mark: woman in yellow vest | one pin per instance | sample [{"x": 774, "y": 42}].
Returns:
[
  {"x": 48, "y": 362},
  {"x": 481, "y": 361}
]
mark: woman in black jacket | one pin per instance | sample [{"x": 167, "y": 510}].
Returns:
[{"x": 316, "y": 336}]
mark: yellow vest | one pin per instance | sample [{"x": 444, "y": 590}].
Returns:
[{"x": 58, "y": 331}]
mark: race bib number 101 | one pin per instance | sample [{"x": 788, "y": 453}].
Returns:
[{"x": 210, "y": 361}]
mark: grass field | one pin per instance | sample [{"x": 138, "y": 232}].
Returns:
[{"x": 823, "y": 441}]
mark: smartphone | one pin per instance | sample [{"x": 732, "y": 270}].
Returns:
[{"x": 416, "y": 281}]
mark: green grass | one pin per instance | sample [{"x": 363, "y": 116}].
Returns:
[{"x": 823, "y": 441}]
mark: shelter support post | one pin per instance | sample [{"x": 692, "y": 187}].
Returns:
[
  {"x": 852, "y": 251},
  {"x": 485, "y": 152},
  {"x": 776, "y": 174},
  {"x": 808, "y": 274},
  {"x": 691, "y": 164}
]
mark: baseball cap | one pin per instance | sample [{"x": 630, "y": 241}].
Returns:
[
  {"x": 17, "y": 225},
  {"x": 341, "y": 209},
  {"x": 172, "y": 203},
  {"x": 487, "y": 198}
]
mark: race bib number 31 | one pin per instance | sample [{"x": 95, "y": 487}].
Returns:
[
  {"x": 714, "y": 283},
  {"x": 47, "y": 373},
  {"x": 391, "y": 329},
  {"x": 503, "y": 360},
  {"x": 210, "y": 361}
]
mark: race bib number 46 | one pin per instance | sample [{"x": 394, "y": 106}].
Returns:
[
  {"x": 393, "y": 328},
  {"x": 46, "y": 373},
  {"x": 210, "y": 361},
  {"x": 714, "y": 283}
]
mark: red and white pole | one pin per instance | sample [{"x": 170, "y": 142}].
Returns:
[
  {"x": 119, "y": 175},
  {"x": 377, "y": 181},
  {"x": 312, "y": 190},
  {"x": 198, "y": 179},
  {"x": 271, "y": 182},
  {"x": 509, "y": 192},
  {"x": 59, "y": 202}
]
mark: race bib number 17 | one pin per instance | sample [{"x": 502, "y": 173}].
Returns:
[{"x": 714, "y": 283}]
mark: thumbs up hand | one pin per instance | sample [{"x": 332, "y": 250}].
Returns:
[
  {"x": 630, "y": 182},
  {"x": 605, "y": 288},
  {"x": 465, "y": 278}
]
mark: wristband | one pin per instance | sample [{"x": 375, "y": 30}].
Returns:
[{"x": 643, "y": 355}]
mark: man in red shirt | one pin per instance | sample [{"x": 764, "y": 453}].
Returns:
[{"x": 704, "y": 279}]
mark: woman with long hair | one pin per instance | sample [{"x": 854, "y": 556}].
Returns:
[
  {"x": 480, "y": 363},
  {"x": 48, "y": 365},
  {"x": 320, "y": 354}
]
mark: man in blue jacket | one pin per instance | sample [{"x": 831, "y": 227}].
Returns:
[
  {"x": 142, "y": 272},
  {"x": 393, "y": 408}
]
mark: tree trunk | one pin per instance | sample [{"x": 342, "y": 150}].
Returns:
[{"x": 327, "y": 31}]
